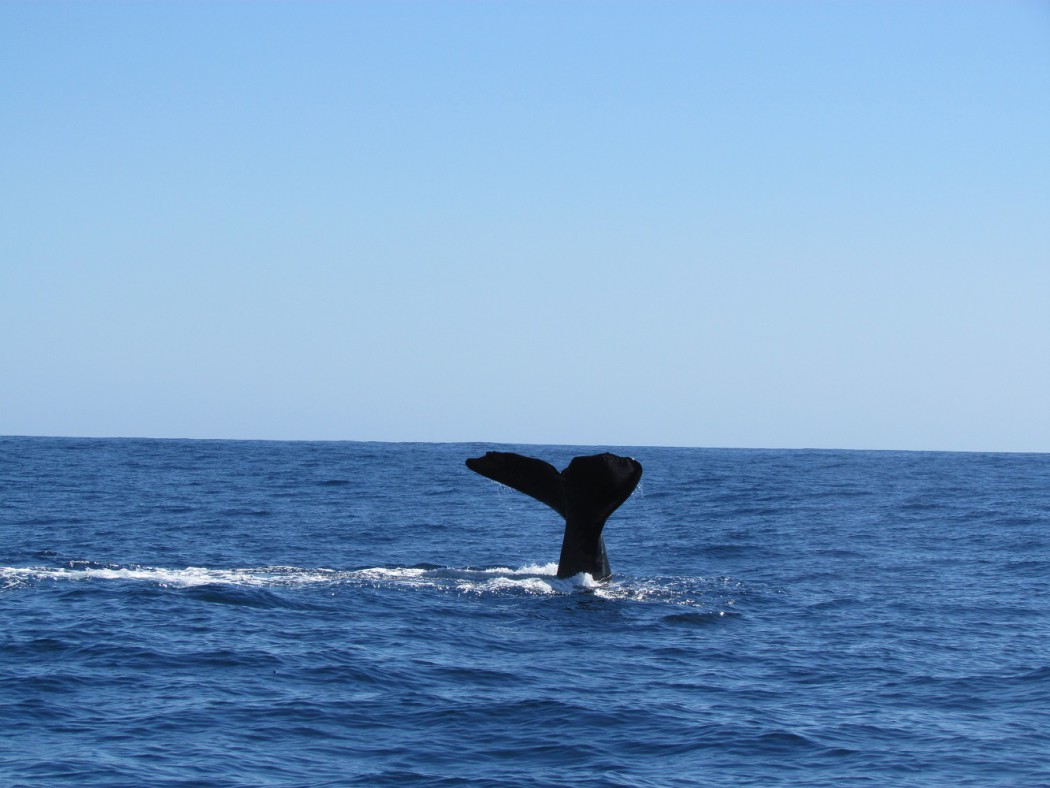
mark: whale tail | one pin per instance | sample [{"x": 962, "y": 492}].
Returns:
[
  {"x": 586, "y": 493},
  {"x": 528, "y": 475}
]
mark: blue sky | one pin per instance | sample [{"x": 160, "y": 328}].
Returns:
[{"x": 747, "y": 224}]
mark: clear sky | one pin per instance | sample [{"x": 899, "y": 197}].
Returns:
[{"x": 743, "y": 224}]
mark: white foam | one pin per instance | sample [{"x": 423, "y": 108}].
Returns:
[
  {"x": 532, "y": 569},
  {"x": 531, "y": 579},
  {"x": 180, "y": 578},
  {"x": 528, "y": 585},
  {"x": 386, "y": 573}
]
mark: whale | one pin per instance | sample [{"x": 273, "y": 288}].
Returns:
[{"x": 585, "y": 493}]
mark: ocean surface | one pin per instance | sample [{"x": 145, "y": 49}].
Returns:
[{"x": 238, "y": 613}]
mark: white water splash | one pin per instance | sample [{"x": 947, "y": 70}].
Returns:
[
  {"x": 531, "y": 579},
  {"x": 271, "y": 576}
]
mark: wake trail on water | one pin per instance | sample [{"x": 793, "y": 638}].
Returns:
[{"x": 531, "y": 580}]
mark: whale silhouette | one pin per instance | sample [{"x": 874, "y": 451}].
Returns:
[{"x": 589, "y": 490}]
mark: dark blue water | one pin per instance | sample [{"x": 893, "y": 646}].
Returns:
[{"x": 300, "y": 614}]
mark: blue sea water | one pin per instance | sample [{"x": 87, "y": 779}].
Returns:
[{"x": 219, "y": 613}]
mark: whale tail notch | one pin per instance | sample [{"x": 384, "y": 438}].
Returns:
[{"x": 586, "y": 493}]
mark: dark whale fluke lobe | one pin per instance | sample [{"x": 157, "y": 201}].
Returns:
[{"x": 589, "y": 490}]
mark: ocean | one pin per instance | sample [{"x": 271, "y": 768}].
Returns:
[{"x": 251, "y": 613}]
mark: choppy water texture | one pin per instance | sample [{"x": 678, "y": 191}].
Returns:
[{"x": 304, "y": 614}]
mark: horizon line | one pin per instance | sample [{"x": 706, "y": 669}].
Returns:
[{"x": 523, "y": 443}]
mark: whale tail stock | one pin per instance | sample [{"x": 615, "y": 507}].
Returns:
[{"x": 589, "y": 490}]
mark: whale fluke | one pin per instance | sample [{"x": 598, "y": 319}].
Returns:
[{"x": 589, "y": 490}]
